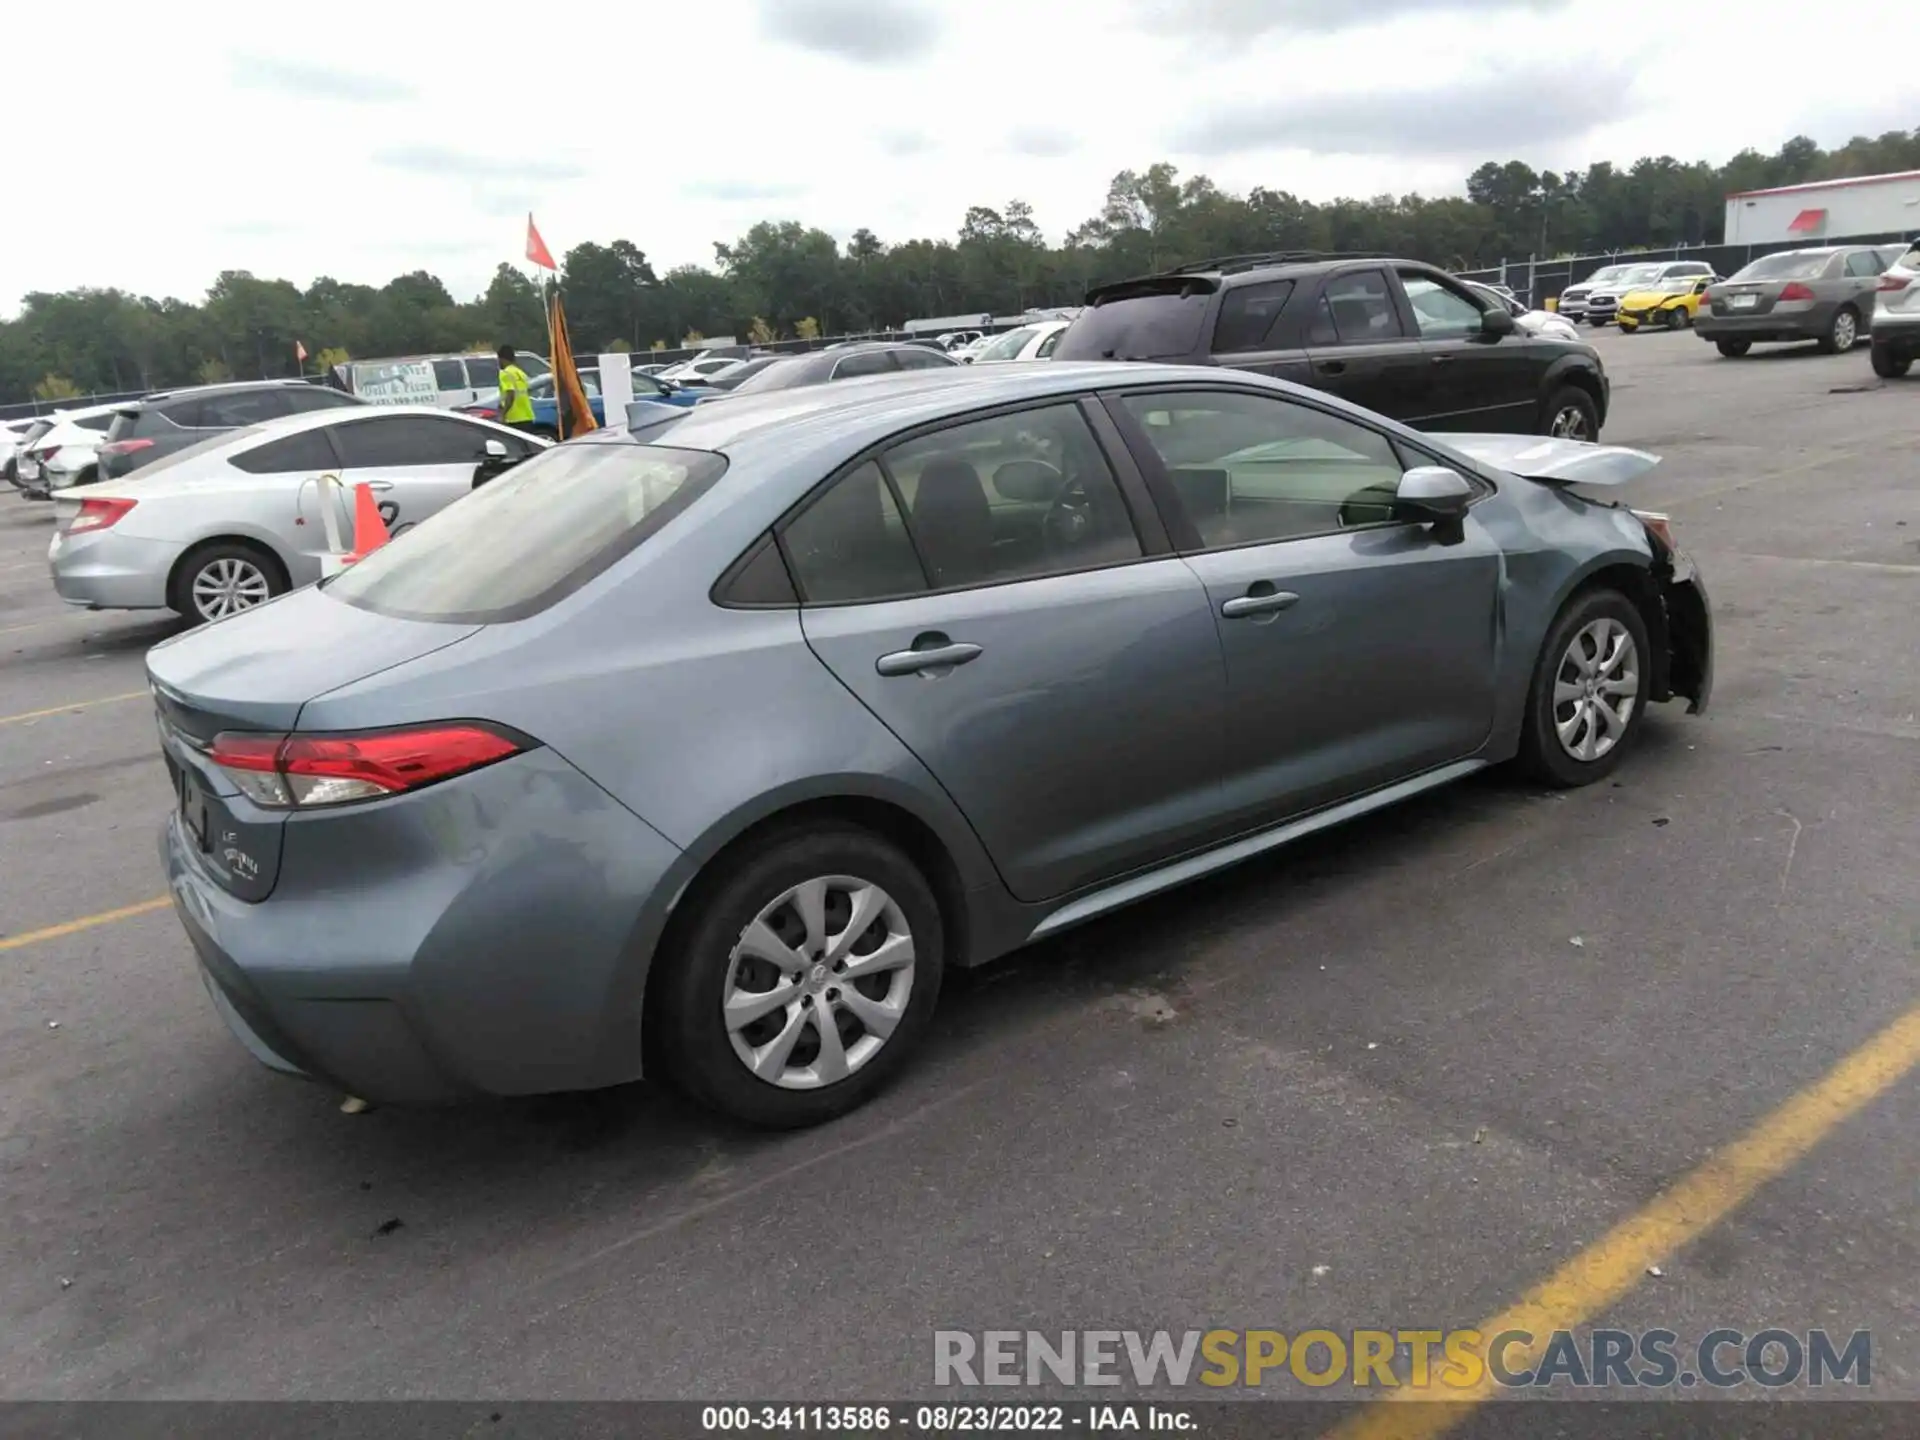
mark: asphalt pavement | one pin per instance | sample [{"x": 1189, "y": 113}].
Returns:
[{"x": 1395, "y": 1077}]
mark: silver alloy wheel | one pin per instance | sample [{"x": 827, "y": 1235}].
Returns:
[
  {"x": 818, "y": 981},
  {"x": 1845, "y": 331},
  {"x": 227, "y": 586},
  {"x": 1595, "y": 689},
  {"x": 1569, "y": 423}
]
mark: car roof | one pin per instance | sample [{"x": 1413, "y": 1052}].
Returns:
[{"x": 827, "y": 421}]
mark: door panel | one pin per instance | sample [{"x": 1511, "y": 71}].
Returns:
[
  {"x": 416, "y": 465},
  {"x": 1081, "y": 740},
  {"x": 1358, "y": 349},
  {"x": 1359, "y": 649},
  {"x": 1479, "y": 382}
]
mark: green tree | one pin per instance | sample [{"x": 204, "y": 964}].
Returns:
[{"x": 55, "y": 387}]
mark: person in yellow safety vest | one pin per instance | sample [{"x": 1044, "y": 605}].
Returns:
[{"x": 516, "y": 406}]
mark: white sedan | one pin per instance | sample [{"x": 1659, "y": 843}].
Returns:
[
  {"x": 62, "y": 449},
  {"x": 1030, "y": 342},
  {"x": 1533, "y": 322},
  {"x": 230, "y": 523}
]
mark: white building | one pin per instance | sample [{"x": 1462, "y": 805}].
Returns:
[{"x": 1826, "y": 209}]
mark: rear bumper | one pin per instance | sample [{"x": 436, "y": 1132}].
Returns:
[
  {"x": 1808, "y": 324},
  {"x": 1898, "y": 331},
  {"x": 490, "y": 935},
  {"x": 109, "y": 571}
]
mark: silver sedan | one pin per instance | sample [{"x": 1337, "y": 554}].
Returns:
[{"x": 234, "y": 521}]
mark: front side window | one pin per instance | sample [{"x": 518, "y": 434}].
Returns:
[
  {"x": 1007, "y": 346},
  {"x": 1440, "y": 312},
  {"x": 1250, "y": 468},
  {"x": 449, "y": 375},
  {"x": 539, "y": 532},
  {"x": 241, "y": 407},
  {"x": 409, "y": 440},
  {"x": 483, "y": 372},
  {"x": 1012, "y": 497},
  {"x": 851, "y": 544},
  {"x": 1355, "y": 309},
  {"x": 302, "y": 398},
  {"x": 1248, "y": 314},
  {"x": 915, "y": 358}
]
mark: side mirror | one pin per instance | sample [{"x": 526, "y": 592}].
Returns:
[
  {"x": 495, "y": 449},
  {"x": 1495, "y": 323},
  {"x": 1432, "y": 492}
]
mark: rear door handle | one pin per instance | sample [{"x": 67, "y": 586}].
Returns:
[
  {"x": 377, "y": 484},
  {"x": 1443, "y": 359},
  {"x": 934, "y": 657},
  {"x": 1331, "y": 367},
  {"x": 1267, "y": 604}
]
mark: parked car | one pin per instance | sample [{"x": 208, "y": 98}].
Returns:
[
  {"x": 12, "y": 435},
  {"x": 61, "y": 453},
  {"x": 736, "y": 377},
  {"x": 1668, "y": 304},
  {"x": 1400, "y": 338},
  {"x": 1573, "y": 300},
  {"x": 952, "y": 340},
  {"x": 1534, "y": 322},
  {"x": 1896, "y": 317},
  {"x": 1825, "y": 294},
  {"x": 230, "y": 523},
  {"x": 546, "y": 408},
  {"x": 1046, "y": 640},
  {"x": 449, "y": 381},
  {"x": 1603, "y": 301},
  {"x": 700, "y": 369},
  {"x": 169, "y": 421},
  {"x": 1028, "y": 342},
  {"x": 881, "y": 357}
]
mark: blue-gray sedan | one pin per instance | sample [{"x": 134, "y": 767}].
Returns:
[{"x": 712, "y": 744}]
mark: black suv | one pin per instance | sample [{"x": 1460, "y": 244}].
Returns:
[
  {"x": 171, "y": 420},
  {"x": 1406, "y": 340}
]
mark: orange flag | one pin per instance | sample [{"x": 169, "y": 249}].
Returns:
[
  {"x": 576, "y": 415},
  {"x": 537, "y": 250}
]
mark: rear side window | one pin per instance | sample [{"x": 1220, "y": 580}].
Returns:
[
  {"x": 1248, "y": 314},
  {"x": 851, "y": 543},
  {"x": 1355, "y": 309},
  {"x": 308, "y": 452},
  {"x": 1863, "y": 263},
  {"x": 449, "y": 375},
  {"x": 483, "y": 372},
  {"x": 874, "y": 362},
  {"x": 1153, "y": 324},
  {"x": 243, "y": 407},
  {"x": 95, "y": 422},
  {"x": 302, "y": 398},
  {"x": 1792, "y": 265},
  {"x": 916, "y": 358},
  {"x": 539, "y": 532}
]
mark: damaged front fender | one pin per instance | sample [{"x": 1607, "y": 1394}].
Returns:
[{"x": 1689, "y": 634}]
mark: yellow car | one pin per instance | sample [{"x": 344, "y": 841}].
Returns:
[{"x": 1671, "y": 304}]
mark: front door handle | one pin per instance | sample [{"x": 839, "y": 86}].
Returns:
[
  {"x": 1332, "y": 367},
  {"x": 377, "y": 484},
  {"x": 1443, "y": 359},
  {"x": 1267, "y": 604},
  {"x": 939, "y": 654}
]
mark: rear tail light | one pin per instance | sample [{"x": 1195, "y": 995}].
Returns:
[
  {"x": 1659, "y": 526},
  {"x": 99, "y": 514},
  {"x": 1796, "y": 291},
  {"x": 48, "y": 453},
  {"x": 125, "y": 447},
  {"x": 285, "y": 772},
  {"x": 1895, "y": 282}
]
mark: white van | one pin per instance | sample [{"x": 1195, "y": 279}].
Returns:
[{"x": 448, "y": 381}]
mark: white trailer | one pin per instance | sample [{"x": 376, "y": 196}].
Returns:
[{"x": 1824, "y": 210}]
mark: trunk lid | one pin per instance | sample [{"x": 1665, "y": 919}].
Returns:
[
  {"x": 1555, "y": 462},
  {"x": 257, "y": 671},
  {"x": 1745, "y": 297}
]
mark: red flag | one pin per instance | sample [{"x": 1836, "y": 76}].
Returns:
[
  {"x": 537, "y": 250},
  {"x": 300, "y": 352}
]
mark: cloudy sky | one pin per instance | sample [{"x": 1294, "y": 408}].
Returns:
[{"x": 362, "y": 140}]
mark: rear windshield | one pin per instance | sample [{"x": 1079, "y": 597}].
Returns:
[
  {"x": 1159, "y": 325},
  {"x": 783, "y": 374},
  {"x": 34, "y": 432},
  {"x": 1793, "y": 265},
  {"x": 539, "y": 532}
]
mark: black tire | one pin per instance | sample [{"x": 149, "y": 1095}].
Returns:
[
  {"x": 688, "y": 1026},
  {"x": 1566, "y": 408},
  {"x": 1843, "y": 333},
  {"x": 1733, "y": 349},
  {"x": 1890, "y": 364},
  {"x": 1678, "y": 319},
  {"x": 1597, "y": 321},
  {"x": 1542, "y": 755},
  {"x": 197, "y": 562}
]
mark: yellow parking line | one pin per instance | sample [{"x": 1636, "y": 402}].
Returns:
[
  {"x": 1612, "y": 1266},
  {"x": 85, "y": 922},
  {"x": 76, "y": 705}
]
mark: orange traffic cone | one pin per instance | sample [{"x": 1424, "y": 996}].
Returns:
[{"x": 369, "y": 530}]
